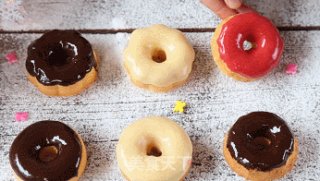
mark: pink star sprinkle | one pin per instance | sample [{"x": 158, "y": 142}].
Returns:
[
  {"x": 22, "y": 116},
  {"x": 11, "y": 57},
  {"x": 291, "y": 68}
]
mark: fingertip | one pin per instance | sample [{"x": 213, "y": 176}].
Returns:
[
  {"x": 224, "y": 13},
  {"x": 245, "y": 9},
  {"x": 234, "y": 4}
]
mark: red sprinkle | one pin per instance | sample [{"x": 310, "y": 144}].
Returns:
[
  {"x": 22, "y": 116},
  {"x": 291, "y": 68},
  {"x": 11, "y": 57}
]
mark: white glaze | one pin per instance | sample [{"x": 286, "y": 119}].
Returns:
[
  {"x": 179, "y": 56},
  {"x": 168, "y": 136}
]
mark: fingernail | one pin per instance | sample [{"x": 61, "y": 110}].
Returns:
[{"x": 234, "y": 4}]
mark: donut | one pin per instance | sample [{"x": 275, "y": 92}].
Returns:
[
  {"x": 246, "y": 46},
  {"x": 154, "y": 149},
  {"x": 61, "y": 63},
  {"x": 48, "y": 150},
  {"x": 260, "y": 146},
  {"x": 158, "y": 58}
]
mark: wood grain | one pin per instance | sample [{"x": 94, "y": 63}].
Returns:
[
  {"x": 16, "y": 15},
  {"x": 214, "y": 103}
]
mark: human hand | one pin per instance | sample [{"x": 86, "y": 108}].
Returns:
[{"x": 226, "y": 8}]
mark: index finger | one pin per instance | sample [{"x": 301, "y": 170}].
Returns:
[{"x": 220, "y": 8}]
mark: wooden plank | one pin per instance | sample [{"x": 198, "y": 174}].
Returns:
[
  {"x": 35, "y": 15},
  {"x": 214, "y": 103}
]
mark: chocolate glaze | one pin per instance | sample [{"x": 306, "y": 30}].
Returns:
[
  {"x": 60, "y": 58},
  {"x": 25, "y": 149},
  {"x": 260, "y": 140}
]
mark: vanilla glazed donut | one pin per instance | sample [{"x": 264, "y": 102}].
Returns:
[
  {"x": 246, "y": 46},
  {"x": 158, "y": 58},
  {"x": 154, "y": 149},
  {"x": 61, "y": 63},
  {"x": 48, "y": 150},
  {"x": 260, "y": 147}
]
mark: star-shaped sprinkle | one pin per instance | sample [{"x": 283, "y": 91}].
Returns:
[
  {"x": 291, "y": 68},
  {"x": 11, "y": 57},
  {"x": 179, "y": 107},
  {"x": 22, "y": 116}
]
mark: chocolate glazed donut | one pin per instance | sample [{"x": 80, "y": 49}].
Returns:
[
  {"x": 261, "y": 141},
  {"x": 60, "y": 58},
  {"x": 47, "y": 150}
]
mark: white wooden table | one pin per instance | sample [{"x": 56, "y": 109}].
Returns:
[{"x": 112, "y": 103}]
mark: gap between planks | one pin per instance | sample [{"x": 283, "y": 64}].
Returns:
[{"x": 130, "y": 30}]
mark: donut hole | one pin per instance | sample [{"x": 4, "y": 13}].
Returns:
[
  {"x": 262, "y": 142},
  {"x": 153, "y": 150},
  {"x": 59, "y": 56},
  {"x": 48, "y": 153},
  {"x": 159, "y": 56},
  {"x": 248, "y": 45}
]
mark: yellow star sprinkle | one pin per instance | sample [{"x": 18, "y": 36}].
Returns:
[{"x": 179, "y": 107}]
